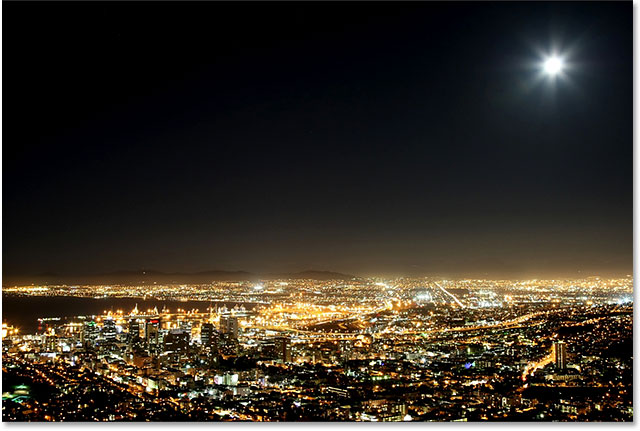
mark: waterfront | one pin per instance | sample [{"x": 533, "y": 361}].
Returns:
[{"x": 24, "y": 311}]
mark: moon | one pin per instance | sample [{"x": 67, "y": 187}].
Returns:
[{"x": 553, "y": 66}]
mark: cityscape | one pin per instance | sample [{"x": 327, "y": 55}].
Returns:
[
  {"x": 328, "y": 212},
  {"x": 408, "y": 349}
]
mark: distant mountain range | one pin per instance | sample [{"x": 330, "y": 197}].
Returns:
[{"x": 159, "y": 277}]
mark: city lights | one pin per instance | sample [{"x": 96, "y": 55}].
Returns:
[{"x": 310, "y": 344}]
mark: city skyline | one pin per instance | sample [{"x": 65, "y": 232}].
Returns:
[{"x": 373, "y": 350}]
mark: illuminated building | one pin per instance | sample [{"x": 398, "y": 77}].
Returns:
[
  {"x": 227, "y": 379},
  {"x": 152, "y": 333},
  {"x": 91, "y": 332},
  {"x": 177, "y": 340},
  {"x": 109, "y": 330},
  {"x": 208, "y": 335},
  {"x": 134, "y": 329},
  {"x": 283, "y": 349},
  {"x": 560, "y": 349},
  {"x": 229, "y": 326}
]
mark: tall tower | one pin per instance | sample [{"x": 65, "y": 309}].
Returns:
[{"x": 560, "y": 349}]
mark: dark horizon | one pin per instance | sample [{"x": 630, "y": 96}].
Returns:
[{"x": 364, "y": 138}]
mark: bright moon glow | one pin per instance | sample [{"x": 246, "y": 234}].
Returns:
[{"x": 553, "y": 66}]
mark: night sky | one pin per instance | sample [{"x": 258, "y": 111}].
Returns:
[{"x": 367, "y": 138}]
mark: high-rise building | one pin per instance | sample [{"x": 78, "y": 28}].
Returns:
[
  {"x": 177, "y": 340},
  {"x": 229, "y": 325},
  {"x": 283, "y": 349},
  {"x": 346, "y": 350},
  {"x": 208, "y": 335},
  {"x": 152, "y": 334},
  {"x": 109, "y": 331},
  {"x": 560, "y": 349},
  {"x": 91, "y": 332},
  {"x": 133, "y": 337},
  {"x": 134, "y": 329}
]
